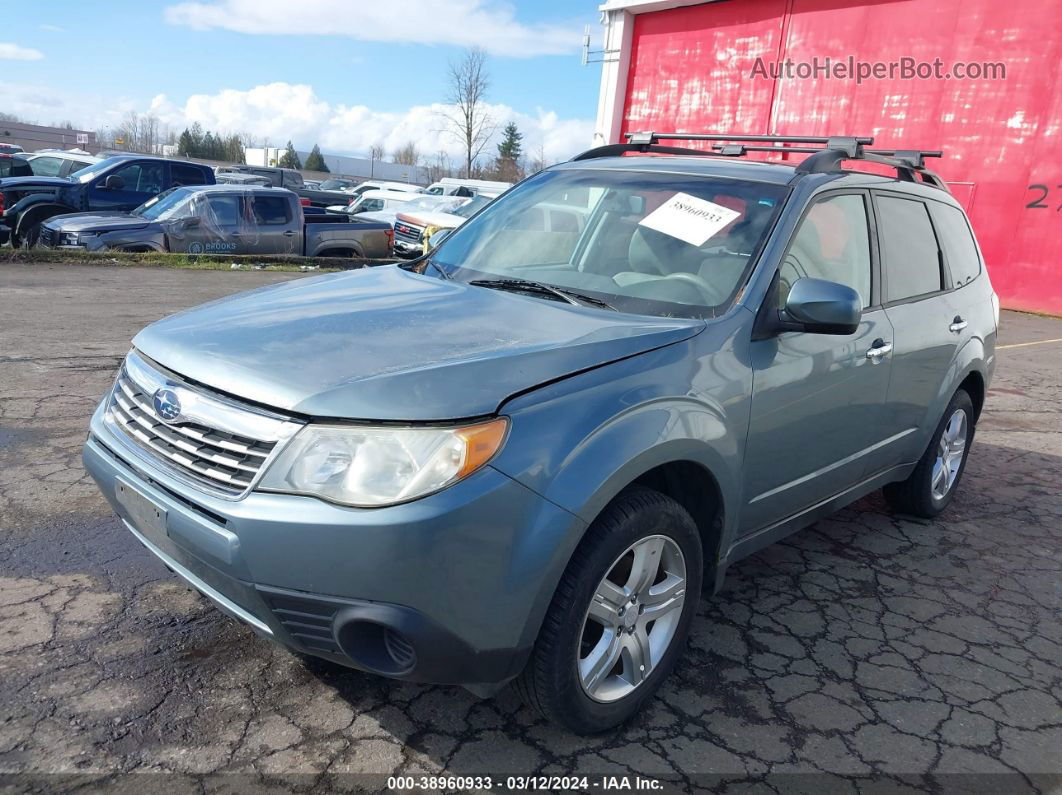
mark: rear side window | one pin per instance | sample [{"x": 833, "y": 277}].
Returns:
[
  {"x": 270, "y": 210},
  {"x": 833, "y": 243},
  {"x": 958, "y": 243},
  {"x": 46, "y": 166},
  {"x": 186, "y": 175},
  {"x": 909, "y": 248}
]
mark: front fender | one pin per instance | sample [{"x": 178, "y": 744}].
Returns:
[
  {"x": 32, "y": 212},
  {"x": 580, "y": 441}
]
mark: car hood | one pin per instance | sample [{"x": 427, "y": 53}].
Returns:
[
  {"x": 385, "y": 216},
  {"x": 96, "y": 222},
  {"x": 28, "y": 183},
  {"x": 386, "y": 344},
  {"x": 429, "y": 218}
]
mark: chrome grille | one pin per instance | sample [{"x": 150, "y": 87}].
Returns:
[
  {"x": 206, "y": 452},
  {"x": 407, "y": 232},
  {"x": 47, "y": 237}
]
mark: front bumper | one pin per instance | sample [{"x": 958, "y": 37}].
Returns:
[{"x": 449, "y": 589}]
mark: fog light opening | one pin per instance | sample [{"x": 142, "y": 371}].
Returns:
[{"x": 377, "y": 647}]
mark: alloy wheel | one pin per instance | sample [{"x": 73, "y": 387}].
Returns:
[
  {"x": 950, "y": 451},
  {"x": 632, "y": 618}
]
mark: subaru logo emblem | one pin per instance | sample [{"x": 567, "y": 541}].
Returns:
[{"x": 166, "y": 404}]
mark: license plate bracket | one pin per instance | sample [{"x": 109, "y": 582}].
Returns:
[{"x": 141, "y": 511}]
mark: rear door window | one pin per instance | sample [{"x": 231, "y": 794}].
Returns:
[
  {"x": 186, "y": 175},
  {"x": 910, "y": 253},
  {"x": 270, "y": 210},
  {"x": 957, "y": 240}
]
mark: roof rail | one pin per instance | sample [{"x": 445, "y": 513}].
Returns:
[{"x": 826, "y": 157}]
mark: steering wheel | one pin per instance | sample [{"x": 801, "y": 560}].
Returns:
[{"x": 706, "y": 288}]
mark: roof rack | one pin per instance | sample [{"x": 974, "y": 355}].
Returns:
[{"x": 826, "y": 157}]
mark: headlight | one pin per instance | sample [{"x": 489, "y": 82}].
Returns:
[
  {"x": 370, "y": 467},
  {"x": 69, "y": 239}
]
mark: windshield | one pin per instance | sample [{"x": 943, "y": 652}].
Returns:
[
  {"x": 77, "y": 174},
  {"x": 658, "y": 244},
  {"x": 442, "y": 204},
  {"x": 335, "y": 184},
  {"x": 174, "y": 203},
  {"x": 471, "y": 207},
  {"x": 93, "y": 171}
]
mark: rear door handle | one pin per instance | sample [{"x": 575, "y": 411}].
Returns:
[
  {"x": 879, "y": 350},
  {"x": 957, "y": 325}
]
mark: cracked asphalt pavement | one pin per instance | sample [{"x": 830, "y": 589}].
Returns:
[{"x": 867, "y": 653}]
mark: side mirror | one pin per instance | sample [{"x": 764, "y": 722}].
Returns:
[
  {"x": 191, "y": 221},
  {"x": 439, "y": 237},
  {"x": 113, "y": 182},
  {"x": 823, "y": 307}
]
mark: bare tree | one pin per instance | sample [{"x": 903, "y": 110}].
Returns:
[
  {"x": 467, "y": 117},
  {"x": 407, "y": 155},
  {"x": 440, "y": 167}
]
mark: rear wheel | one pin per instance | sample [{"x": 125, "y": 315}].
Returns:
[
  {"x": 620, "y": 617},
  {"x": 932, "y": 485}
]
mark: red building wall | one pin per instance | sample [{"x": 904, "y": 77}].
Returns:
[{"x": 691, "y": 70}]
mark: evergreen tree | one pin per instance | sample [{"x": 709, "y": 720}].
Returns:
[
  {"x": 196, "y": 134},
  {"x": 507, "y": 165},
  {"x": 314, "y": 161},
  {"x": 185, "y": 144},
  {"x": 290, "y": 159},
  {"x": 510, "y": 147}
]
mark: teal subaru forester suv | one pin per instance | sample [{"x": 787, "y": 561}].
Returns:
[{"x": 522, "y": 456}]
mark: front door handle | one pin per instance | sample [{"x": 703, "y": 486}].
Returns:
[
  {"x": 879, "y": 350},
  {"x": 289, "y": 233},
  {"x": 957, "y": 325}
]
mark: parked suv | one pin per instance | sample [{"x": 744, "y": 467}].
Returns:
[
  {"x": 119, "y": 183},
  {"x": 523, "y": 456}
]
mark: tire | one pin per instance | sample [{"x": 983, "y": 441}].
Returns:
[
  {"x": 922, "y": 494},
  {"x": 29, "y": 238},
  {"x": 638, "y": 521}
]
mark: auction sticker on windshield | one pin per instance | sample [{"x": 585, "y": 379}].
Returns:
[{"x": 688, "y": 218}]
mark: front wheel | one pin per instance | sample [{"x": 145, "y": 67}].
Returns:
[
  {"x": 932, "y": 485},
  {"x": 30, "y": 236},
  {"x": 620, "y": 617}
]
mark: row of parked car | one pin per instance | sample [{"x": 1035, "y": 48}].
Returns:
[{"x": 132, "y": 202}]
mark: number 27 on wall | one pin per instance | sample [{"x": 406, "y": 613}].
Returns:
[{"x": 1039, "y": 203}]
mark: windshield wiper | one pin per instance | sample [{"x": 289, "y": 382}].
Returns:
[{"x": 528, "y": 286}]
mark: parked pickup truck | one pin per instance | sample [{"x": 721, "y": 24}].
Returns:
[
  {"x": 221, "y": 219},
  {"x": 120, "y": 183},
  {"x": 292, "y": 180}
]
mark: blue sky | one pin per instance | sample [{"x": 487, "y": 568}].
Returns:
[{"x": 360, "y": 82}]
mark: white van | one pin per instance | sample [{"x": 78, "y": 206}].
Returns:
[{"x": 403, "y": 187}]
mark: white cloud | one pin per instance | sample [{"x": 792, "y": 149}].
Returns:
[
  {"x": 283, "y": 111},
  {"x": 52, "y": 28},
  {"x": 13, "y": 52},
  {"x": 487, "y": 23}
]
